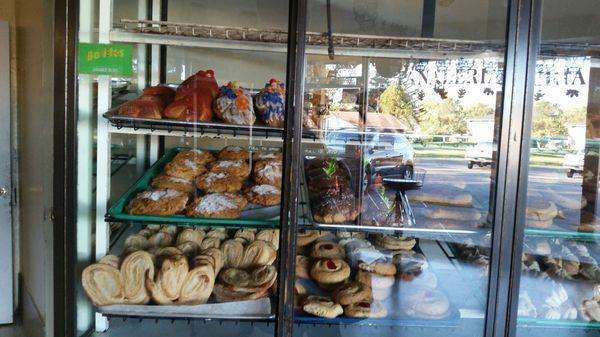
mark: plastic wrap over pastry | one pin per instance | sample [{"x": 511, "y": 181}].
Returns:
[
  {"x": 234, "y": 105},
  {"x": 270, "y": 103},
  {"x": 194, "y": 98}
]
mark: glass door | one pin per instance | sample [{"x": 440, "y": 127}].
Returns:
[
  {"x": 559, "y": 286},
  {"x": 402, "y": 105}
]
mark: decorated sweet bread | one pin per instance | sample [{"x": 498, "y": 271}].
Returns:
[
  {"x": 267, "y": 155},
  {"x": 217, "y": 206},
  {"x": 212, "y": 182},
  {"x": 234, "y": 105},
  {"x": 158, "y": 202},
  {"x": 270, "y": 103},
  {"x": 328, "y": 271},
  {"x": 234, "y": 153},
  {"x": 365, "y": 309},
  {"x": 337, "y": 208},
  {"x": 134, "y": 269},
  {"x": 199, "y": 157},
  {"x": 194, "y": 98},
  {"x": 236, "y": 168},
  {"x": 327, "y": 250},
  {"x": 322, "y": 307},
  {"x": 268, "y": 172},
  {"x": 164, "y": 181},
  {"x": 352, "y": 292},
  {"x": 103, "y": 284},
  {"x": 143, "y": 107},
  {"x": 184, "y": 169},
  {"x": 264, "y": 195},
  {"x": 302, "y": 267}
]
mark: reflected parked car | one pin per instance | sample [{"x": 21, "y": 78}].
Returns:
[
  {"x": 573, "y": 163},
  {"x": 480, "y": 154}
]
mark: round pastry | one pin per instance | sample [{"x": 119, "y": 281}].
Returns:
[
  {"x": 234, "y": 105},
  {"x": 160, "y": 239},
  {"x": 264, "y": 195},
  {"x": 379, "y": 267},
  {"x": 302, "y": 267},
  {"x": 212, "y": 182},
  {"x": 267, "y": 155},
  {"x": 136, "y": 242},
  {"x": 269, "y": 235},
  {"x": 167, "y": 182},
  {"x": 352, "y": 292},
  {"x": 158, "y": 202},
  {"x": 322, "y": 307},
  {"x": 200, "y": 157},
  {"x": 218, "y": 206},
  {"x": 268, "y": 172},
  {"x": 426, "y": 304},
  {"x": 191, "y": 234},
  {"x": 327, "y": 250},
  {"x": 236, "y": 168},
  {"x": 395, "y": 242},
  {"x": 210, "y": 243},
  {"x": 270, "y": 103},
  {"x": 233, "y": 153},
  {"x": 375, "y": 281},
  {"x": 365, "y": 309},
  {"x": 329, "y": 271},
  {"x": 306, "y": 237},
  {"x": 102, "y": 284},
  {"x": 184, "y": 169}
]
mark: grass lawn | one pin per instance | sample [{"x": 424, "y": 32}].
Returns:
[{"x": 445, "y": 152}]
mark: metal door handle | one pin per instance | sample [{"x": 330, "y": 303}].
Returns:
[{"x": 3, "y": 191}]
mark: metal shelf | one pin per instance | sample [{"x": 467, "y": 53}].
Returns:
[{"x": 564, "y": 234}]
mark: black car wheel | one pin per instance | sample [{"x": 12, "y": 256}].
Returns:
[
  {"x": 470, "y": 165},
  {"x": 570, "y": 173}
]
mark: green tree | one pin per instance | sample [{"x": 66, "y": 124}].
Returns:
[
  {"x": 443, "y": 118},
  {"x": 396, "y": 101},
  {"x": 478, "y": 110},
  {"x": 548, "y": 120}
]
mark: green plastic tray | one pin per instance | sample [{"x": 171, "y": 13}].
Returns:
[
  {"x": 535, "y": 322},
  {"x": 253, "y": 217}
]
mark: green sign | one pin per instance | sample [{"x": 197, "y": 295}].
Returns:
[{"x": 105, "y": 59}]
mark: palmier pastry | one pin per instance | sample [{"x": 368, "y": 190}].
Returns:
[
  {"x": 267, "y": 155},
  {"x": 269, "y": 235},
  {"x": 158, "y": 202},
  {"x": 425, "y": 304},
  {"x": 365, "y": 309},
  {"x": 248, "y": 234},
  {"x": 166, "y": 252},
  {"x": 171, "y": 276},
  {"x": 136, "y": 242},
  {"x": 258, "y": 253},
  {"x": 328, "y": 271},
  {"x": 212, "y": 182},
  {"x": 220, "y": 233},
  {"x": 379, "y": 267},
  {"x": 184, "y": 169},
  {"x": 234, "y": 153},
  {"x": 223, "y": 293},
  {"x": 200, "y": 157},
  {"x": 302, "y": 267},
  {"x": 134, "y": 269},
  {"x": 217, "y": 256},
  {"x": 218, "y": 206},
  {"x": 375, "y": 281},
  {"x": 189, "y": 248},
  {"x": 270, "y": 103},
  {"x": 352, "y": 292},
  {"x": 322, "y": 307},
  {"x": 191, "y": 234},
  {"x": 102, "y": 284},
  {"x": 197, "y": 286},
  {"x": 233, "y": 253},
  {"x": 153, "y": 228},
  {"x": 236, "y": 168},
  {"x": 171, "y": 230},
  {"x": 145, "y": 233},
  {"x": 160, "y": 239},
  {"x": 259, "y": 280},
  {"x": 306, "y": 237},
  {"x": 394, "y": 242},
  {"x": 111, "y": 260},
  {"x": 268, "y": 172},
  {"x": 234, "y": 105},
  {"x": 264, "y": 195},
  {"x": 327, "y": 250},
  {"x": 210, "y": 242},
  {"x": 164, "y": 181}
]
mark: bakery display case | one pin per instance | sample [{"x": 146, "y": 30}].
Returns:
[{"x": 303, "y": 167}]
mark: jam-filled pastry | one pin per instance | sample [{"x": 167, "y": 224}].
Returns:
[
  {"x": 233, "y": 153},
  {"x": 134, "y": 269},
  {"x": 234, "y": 105},
  {"x": 102, "y": 284},
  {"x": 199, "y": 157},
  {"x": 158, "y": 202},
  {"x": 194, "y": 98},
  {"x": 184, "y": 169},
  {"x": 237, "y": 168},
  {"x": 365, "y": 309},
  {"x": 197, "y": 286},
  {"x": 212, "y": 182},
  {"x": 267, "y": 155},
  {"x": 328, "y": 271},
  {"x": 218, "y": 206},
  {"x": 264, "y": 195},
  {"x": 270, "y": 103},
  {"x": 322, "y": 307},
  {"x": 167, "y": 182},
  {"x": 268, "y": 172}
]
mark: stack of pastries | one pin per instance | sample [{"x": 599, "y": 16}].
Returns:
[
  {"x": 359, "y": 276},
  {"x": 172, "y": 266},
  {"x": 227, "y": 183},
  {"x": 199, "y": 99}
]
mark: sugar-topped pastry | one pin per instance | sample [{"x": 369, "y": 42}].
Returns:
[
  {"x": 267, "y": 155},
  {"x": 270, "y": 103},
  {"x": 200, "y": 157},
  {"x": 158, "y": 202},
  {"x": 268, "y": 172},
  {"x": 234, "y": 105},
  {"x": 234, "y": 153},
  {"x": 212, "y": 182},
  {"x": 218, "y": 205},
  {"x": 238, "y": 168},
  {"x": 184, "y": 169},
  {"x": 264, "y": 195},
  {"x": 167, "y": 182}
]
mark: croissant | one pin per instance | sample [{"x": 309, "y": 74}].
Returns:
[
  {"x": 172, "y": 273},
  {"x": 102, "y": 284},
  {"x": 134, "y": 269},
  {"x": 197, "y": 286},
  {"x": 233, "y": 253}
]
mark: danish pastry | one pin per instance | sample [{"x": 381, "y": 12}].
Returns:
[
  {"x": 199, "y": 157},
  {"x": 352, "y": 292},
  {"x": 236, "y": 168},
  {"x": 264, "y": 195},
  {"x": 102, "y": 284},
  {"x": 184, "y": 169},
  {"x": 158, "y": 202},
  {"x": 234, "y": 153},
  {"x": 327, "y": 250},
  {"x": 322, "y": 307},
  {"x": 268, "y": 172},
  {"x": 212, "y": 182},
  {"x": 328, "y": 271},
  {"x": 134, "y": 269},
  {"x": 365, "y": 309},
  {"x": 164, "y": 181},
  {"x": 218, "y": 206},
  {"x": 197, "y": 286},
  {"x": 234, "y": 105}
]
